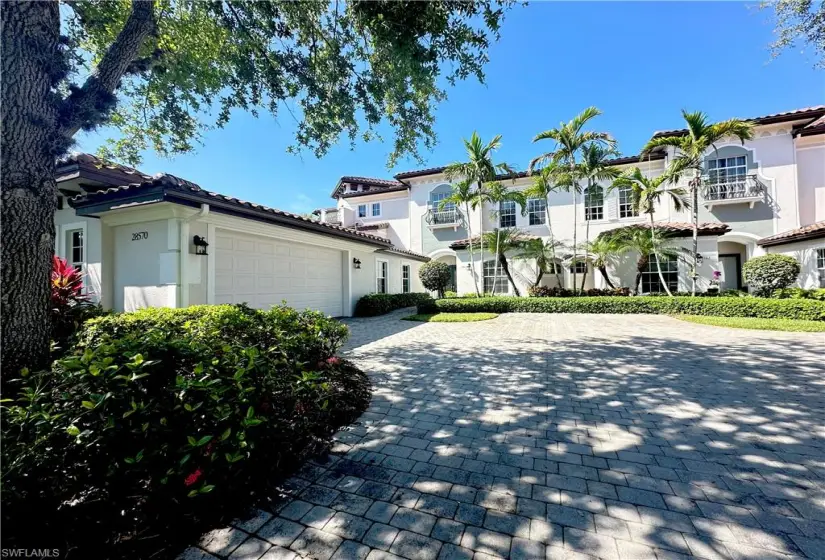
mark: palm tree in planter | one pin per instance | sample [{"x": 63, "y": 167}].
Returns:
[
  {"x": 549, "y": 179},
  {"x": 642, "y": 241},
  {"x": 570, "y": 138},
  {"x": 543, "y": 253},
  {"x": 645, "y": 194},
  {"x": 691, "y": 146},
  {"x": 603, "y": 252},
  {"x": 504, "y": 240},
  {"x": 462, "y": 196},
  {"x": 479, "y": 170},
  {"x": 594, "y": 169}
]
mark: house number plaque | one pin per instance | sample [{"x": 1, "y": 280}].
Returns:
[{"x": 139, "y": 235}]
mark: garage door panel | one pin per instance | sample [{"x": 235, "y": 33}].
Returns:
[{"x": 264, "y": 272}]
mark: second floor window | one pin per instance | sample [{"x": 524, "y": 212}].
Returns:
[
  {"x": 435, "y": 202},
  {"x": 362, "y": 210},
  {"x": 507, "y": 214},
  {"x": 376, "y": 209},
  {"x": 727, "y": 170},
  {"x": 594, "y": 203},
  {"x": 626, "y": 209},
  {"x": 537, "y": 211}
]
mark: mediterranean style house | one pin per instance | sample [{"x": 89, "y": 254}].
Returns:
[
  {"x": 161, "y": 241},
  {"x": 766, "y": 196}
]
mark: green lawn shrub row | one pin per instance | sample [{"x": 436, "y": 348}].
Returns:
[
  {"x": 800, "y": 293},
  {"x": 159, "y": 418},
  {"x": 379, "y": 304},
  {"x": 721, "y": 306}
]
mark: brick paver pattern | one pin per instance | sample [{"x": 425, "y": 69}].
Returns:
[{"x": 562, "y": 436}]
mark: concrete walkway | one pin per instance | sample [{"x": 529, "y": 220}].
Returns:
[{"x": 564, "y": 436}]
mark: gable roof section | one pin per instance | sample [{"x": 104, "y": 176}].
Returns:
[
  {"x": 169, "y": 188},
  {"x": 813, "y": 113},
  {"x": 812, "y": 128},
  {"x": 94, "y": 169},
  {"x": 812, "y": 231},
  {"x": 373, "y": 184}
]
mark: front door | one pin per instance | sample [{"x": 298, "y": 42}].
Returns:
[
  {"x": 451, "y": 287},
  {"x": 730, "y": 272}
]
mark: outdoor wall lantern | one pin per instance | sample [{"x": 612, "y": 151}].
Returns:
[
  {"x": 699, "y": 259},
  {"x": 200, "y": 245},
  {"x": 356, "y": 264}
]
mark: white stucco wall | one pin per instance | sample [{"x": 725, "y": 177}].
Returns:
[
  {"x": 805, "y": 253},
  {"x": 146, "y": 265},
  {"x": 394, "y": 210},
  {"x": 66, "y": 220},
  {"x": 810, "y": 161}
]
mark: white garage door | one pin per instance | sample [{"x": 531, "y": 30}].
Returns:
[{"x": 263, "y": 272}]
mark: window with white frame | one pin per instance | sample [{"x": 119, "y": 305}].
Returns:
[
  {"x": 536, "y": 211},
  {"x": 727, "y": 170},
  {"x": 376, "y": 209},
  {"x": 362, "y": 210},
  {"x": 579, "y": 267},
  {"x": 626, "y": 209},
  {"x": 435, "y": 202},
  {"x": 670, "y": 272},
  {"x": 405, "y": 278},
  {"x": 494, "y": 284},
  {"x": 820, "y": 265},
  {"x": 594, "y": 203},
  {"x": 381, "y": 276},
  {"x": 507, "y": 214},
  {"x": 75, "y": 250}
]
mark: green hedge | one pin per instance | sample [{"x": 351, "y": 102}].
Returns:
[
  {"x": 800, "y": 293},
  {"x": 721, "y": 306},
  {"x": 158, "y": 421},
  {"x": 378, "y": 304}
]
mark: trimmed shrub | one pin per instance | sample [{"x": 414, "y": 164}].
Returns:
[
  {"x": 768, "y": 273},
  {"x": 435, "y": 276},
  {"x": 379, "y": 304},
  {"x": 555, "y": 291},
  {"x": 800, "y": 293},
  {"x": 719, "y": 306},
  {"x": 166, "y": 417}
]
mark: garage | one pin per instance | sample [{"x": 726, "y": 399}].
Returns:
[{"x": 263, "y": 272}]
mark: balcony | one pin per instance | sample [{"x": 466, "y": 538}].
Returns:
[
  {"x": 739, "y": 189},
  {"x": 446, "y": 218}
]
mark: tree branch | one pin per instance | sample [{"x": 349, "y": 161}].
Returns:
[{"x": 88, "y": 106}]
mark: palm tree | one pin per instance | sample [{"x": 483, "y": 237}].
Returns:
[
  {"x": 479, "y": 170},
  {"x": 594, "y": 169},
  {"x": 495, "y": 194},
  {"x": 603, "y": 252},
  {"x": 543, "y": 253},
  {"x": 504, "y": 240},
  {"x": 691, "y": 146},
  {"x": 462, "y": 195},
  {"x": 643, "y": 241},
  {"x": 646, "y": 192},
  {"x": 550, "y": 178},
  {"x": 569, "y": 140}
]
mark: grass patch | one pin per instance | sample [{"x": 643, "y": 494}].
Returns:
[
  {"x": 451, "y": 317},
  {"x": 790, "y": 325}
]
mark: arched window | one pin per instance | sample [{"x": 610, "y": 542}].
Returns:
[{"x": 594, "y": 203}]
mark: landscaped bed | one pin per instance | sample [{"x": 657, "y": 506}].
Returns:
[
  {"x": 791, "y": 325},
  {"x": 158, "y": 424},
  {"x": 763, "y": 308},
  {"x": 450, "y": 317}
]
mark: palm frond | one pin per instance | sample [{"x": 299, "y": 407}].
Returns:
[
  {"x": 697, "y": 123},
  {"x": 743, "y": 130},
  {"x": 662, "y": 142}
]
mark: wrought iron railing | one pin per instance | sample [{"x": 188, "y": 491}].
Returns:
[
  {"x": 732, "y": 187},
  {"x": 445, "y": 217}
]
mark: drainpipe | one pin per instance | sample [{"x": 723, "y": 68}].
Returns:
[{"x": 184, "y": 253}]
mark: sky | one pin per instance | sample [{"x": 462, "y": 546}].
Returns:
[{"x": 640, "y": 63}]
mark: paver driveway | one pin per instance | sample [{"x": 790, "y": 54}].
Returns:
[{"x": 565, "y": 436}]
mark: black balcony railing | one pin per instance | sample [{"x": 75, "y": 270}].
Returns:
[
  {"x": 732, "y": 187},
  {"x": 445, "y": 217}
]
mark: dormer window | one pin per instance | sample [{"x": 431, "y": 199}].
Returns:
[{"x": 362, "y": 210}]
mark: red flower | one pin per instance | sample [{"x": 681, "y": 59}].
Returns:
[
  {"x": 334, "y": 361},
  {"x": 193, "y": 478}
]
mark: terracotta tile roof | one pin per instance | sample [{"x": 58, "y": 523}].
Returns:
[
  {"x": 677, "y": 229},
  {"x": 812, "y": 231},
  {"x": 372, "y": 227},
  {"x": 114, "y": 171},
  {"x": 176, "y": 189},
  {"x": 785, "y": 116},
  {"x": 464, "y": 243},
  {"x": 411, "y": 254},
  {"x": 370, "y": 181},
  {"x": 377, "y": 190},
  {"x": 812, "y": 128},
  {"x": 374, "y": 184}
]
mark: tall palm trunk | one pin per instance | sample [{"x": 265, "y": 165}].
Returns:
[
  {"x": 586, "y": 240},
  {"x": 552, "y": 246},
  {"x": 575, "y": 218},
  {"x": 502, "y": 259},
  {"x": 470, "y": 248},
  {"x": 695, "y": 219},
  {"x": 656, "y": 256},
  {"x": 481, "y": 235},
  {"x": 498, "y": 234}
]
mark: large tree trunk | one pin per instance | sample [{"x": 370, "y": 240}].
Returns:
[
  {"x": 506, "y": 268},
  {"x": 30, "y": 35},
  {"x": 603, "y": 270}
]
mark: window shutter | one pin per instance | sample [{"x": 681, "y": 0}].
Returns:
[{"x": 611, "y": 202}]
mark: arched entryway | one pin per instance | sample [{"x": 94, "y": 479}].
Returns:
[
  {"x": 447, "y": 256},
  {"x": 734, "y": 249}
]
